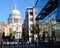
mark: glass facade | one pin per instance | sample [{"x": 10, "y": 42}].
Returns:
[
  {"x": 58, "y": 10},
  {"x": 40, "y": 5},
  {"x": 49, "y": 24}
]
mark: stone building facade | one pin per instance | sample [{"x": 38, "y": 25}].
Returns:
[{"x": 15, "y": 22}]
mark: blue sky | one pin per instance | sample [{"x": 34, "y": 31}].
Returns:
[{"x": 7, "y": 5}]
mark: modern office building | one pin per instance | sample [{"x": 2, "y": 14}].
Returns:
[{"x": 48, "y": 12}]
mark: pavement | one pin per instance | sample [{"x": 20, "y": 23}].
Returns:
[
  {"x": 29, "y": 46},
  {"x": 43, "y": 45},
  {"x": 18, "y": 46}
]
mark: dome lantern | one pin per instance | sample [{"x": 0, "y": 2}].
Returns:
[
  {"x": 15, "y": 7},
  {"x": 15, "y": 11}
]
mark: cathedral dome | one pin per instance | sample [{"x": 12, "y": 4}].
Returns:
[{"x": 15, "y": 11}]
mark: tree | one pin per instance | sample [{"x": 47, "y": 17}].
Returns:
[{"x": 11, "y": 33}]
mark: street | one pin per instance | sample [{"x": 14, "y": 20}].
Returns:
[
  {"x": 43, "y": 45},
  {"x": 18, "y": 46}
]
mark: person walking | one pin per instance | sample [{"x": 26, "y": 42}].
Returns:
[{"x": 36, "y": 43}]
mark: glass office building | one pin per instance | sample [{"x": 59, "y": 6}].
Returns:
[{"x": 51, "y": 21}]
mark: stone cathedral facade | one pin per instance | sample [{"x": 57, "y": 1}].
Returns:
[{"x": 15, "y": 22}]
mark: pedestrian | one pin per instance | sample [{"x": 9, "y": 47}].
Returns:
[
  {"x": 36, "y": 43},
  {"x": 1, "y": 44}
]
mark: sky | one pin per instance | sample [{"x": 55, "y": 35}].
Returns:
[{"x": 6, "y": 6}]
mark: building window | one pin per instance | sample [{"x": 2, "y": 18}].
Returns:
[
  {"x": 31, "y": 13},
  {"x": 17, "y": 35},
  {"x": 31, "y": 19},
  {"x": 10, "y": 20},
  {"x": 16, "y": 28},
  {"x": 15, "y": 20},
  {"x": 31, "y": 26}
]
